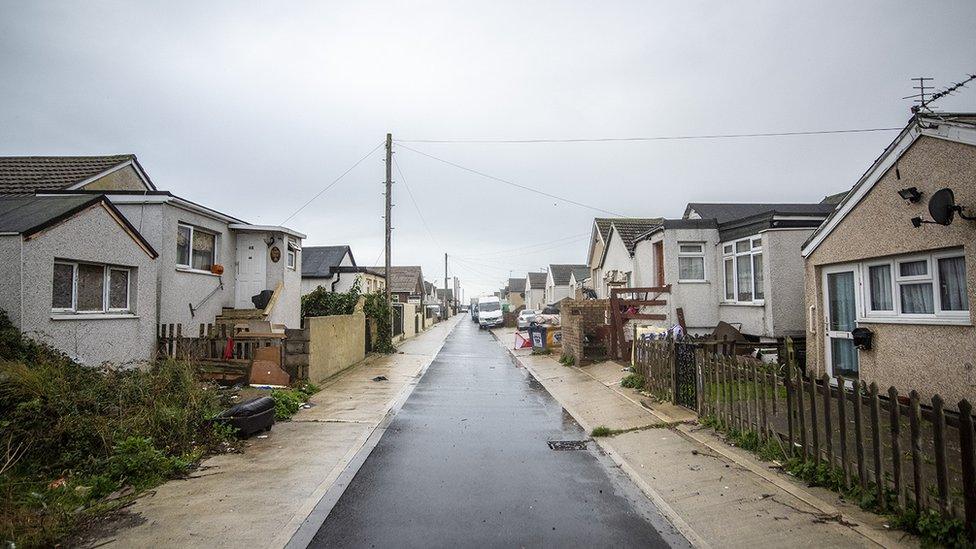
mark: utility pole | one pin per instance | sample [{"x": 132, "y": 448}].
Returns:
[
  {"x": 447, "y": 311},
  {"x": 389, "y": 210}
]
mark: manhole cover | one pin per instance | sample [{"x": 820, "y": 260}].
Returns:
[{"x": 567, "y": 445}]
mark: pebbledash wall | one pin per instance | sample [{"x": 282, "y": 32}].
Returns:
[
  {"x": 930, "y": 358},
  {"x": 335, "y": 343},
  {"x": 27, "y": 273},
  {"x": 178, "y": 288},
  {"x": 580, "y": 317}
]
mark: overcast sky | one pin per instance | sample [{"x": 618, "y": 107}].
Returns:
[{"x": 252, "y": 109}]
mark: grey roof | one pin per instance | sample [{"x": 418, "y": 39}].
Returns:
[
  {"x": 318, "y": 261},
  {"x": 403, "y": 279},
  {"x": 730, "y": 211},
  {"x": 582, "y": 272},
  {"x": 681, "y": 224},
  {"x": 603, "y": 225},
  {"x": 516, "y": 284},
  {"x": 28, "y": 215},
  {"x": 32, "y": 174},
  {"x": 562, "y": 272},
  {"x": 538, "y": 280},
  {"x": 629, "y": 228}
]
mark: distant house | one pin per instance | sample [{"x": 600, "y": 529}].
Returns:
[
  {"x": 731, "y": 262},
  {"x": 447, "y": 294},
  {"x": 559, "y": 280},
  {"x": 611, "y": 251},
  {"x": 578, "y": 283},
  {"x": 208, "y": 262},
  {"x": 535, "y": 290},
  {"x": 879, "y": 265},
  {"x": 516, "y": 293},
  {"x": 334, "y": 268},
  {"x": 406, "y": 283},
  {"x": 76, "y": 274}
]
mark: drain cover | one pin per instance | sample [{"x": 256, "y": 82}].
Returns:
[{"x": 567, "y": 445}]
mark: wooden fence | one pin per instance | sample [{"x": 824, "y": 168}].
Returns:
[
  {"x": 223, "y": 354},
  {"x": 894, "y": 447}
]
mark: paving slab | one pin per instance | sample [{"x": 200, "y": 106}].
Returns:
[
  {"x": 260, "y": 497},
  {"x": 715, "y": 495}
]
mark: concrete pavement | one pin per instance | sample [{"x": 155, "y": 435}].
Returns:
[
  {"x": 466, "y": 463},
  {"x": 715, "y": 494},
  {"x": 261, "y": 497}
]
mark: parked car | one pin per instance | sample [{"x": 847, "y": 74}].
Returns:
[
  {"x": 490, "y": 312},
  {"x": 525, "y": 318}
]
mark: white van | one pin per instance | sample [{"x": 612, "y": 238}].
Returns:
[{"x": 490, "y": 312}]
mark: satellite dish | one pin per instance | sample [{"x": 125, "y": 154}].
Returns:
[{"x": 942, "y": 206}]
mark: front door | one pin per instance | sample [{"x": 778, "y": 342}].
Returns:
[
  {"x": 252, "y": 265},
  {"x": 840, "y": 317}
]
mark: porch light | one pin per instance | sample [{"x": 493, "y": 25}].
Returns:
[{"x": 910, "y": 194}]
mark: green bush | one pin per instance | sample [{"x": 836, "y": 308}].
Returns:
[
  {"x": 322, "y": 302},
  {"x": 633, "y": 381},
  {"x": 81, "y": 433},
  {"x": 376, "y": 307}
]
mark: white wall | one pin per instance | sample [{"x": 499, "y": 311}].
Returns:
[
  {"x": 91, "y": 236},
  {"x": 618, "y": 258}
]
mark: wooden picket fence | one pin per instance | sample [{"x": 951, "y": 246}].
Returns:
[
  {"x": 904, "y": 452},
  {"x": 218, "y": 353}
]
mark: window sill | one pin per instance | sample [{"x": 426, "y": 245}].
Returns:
[
  {"x": 743, "y": 304},
  {"x": 920, "y": 321},
  {"x": 195, "y": 271},
  {"x": 692, "y": 282},
  {"x": 92, "y": 316}
]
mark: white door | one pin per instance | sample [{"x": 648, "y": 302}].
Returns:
[
  {"x": 252, "y": 265},
  {"x": 840, "y": 317}
]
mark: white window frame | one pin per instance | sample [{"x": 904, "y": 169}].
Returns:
[
  {"x": 896, "y": 316},
  {"x": 291, "y": 256},
  {"x": 729, "y": 253},
  {"x": 699, "y": 254},
  {"x": 106, "y": 289},
  {"x": 193, "y": 229}
]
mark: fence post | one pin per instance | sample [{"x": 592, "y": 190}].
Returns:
[
  {"x": 941, "y": 467},
  {"x": 966, "y": 449},
  {"x": 876, "y": 444},
  {"x": 788, "y": 383},
  {"x": 894, "y": 415},
  {"x": 842, "y": 422},
  {"x": 828, "y": 426},
  {"x": 748, "y": 403},
  {"x": 800, "y": 409},
  {"x": 914, "y": 416},
  {"x": 859, "y": 436},
  {"x": 765, "y": 389},
  {"x": 813, "y": 419}
]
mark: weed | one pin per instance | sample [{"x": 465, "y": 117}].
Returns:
[
  {"x": 287, "y": 402},
  {"x": 633, "y": 381},
  {"x": 601, "y": 431},
  {"x": 81, "y": 433},
  {"x": 567, "y": 360},
  {"x": 542, "y": 351}
]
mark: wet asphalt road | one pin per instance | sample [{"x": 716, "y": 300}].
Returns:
[{"x": 465, "y": 462}]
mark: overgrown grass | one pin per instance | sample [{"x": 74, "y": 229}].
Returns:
[
  {"x": 633, "y": 381},
  {"x": 72, "y": 437},
  {"x": 567, "y": 360},
  {"x": 932, "y": 527},
  {"x": 545, "y": 351},
  {"x": 604, "y": 431}
]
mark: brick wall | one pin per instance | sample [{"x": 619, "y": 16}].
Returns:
[{"x": 580, "y": 318}]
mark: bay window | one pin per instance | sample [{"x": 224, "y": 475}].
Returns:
[
  {"x": 931, "y": 285},
  {"x": 89, "y": 288},
  {"x": 743, "y": 265},
  {"x": 691, "y": 262},
  {"x": 195, "y": 248}
]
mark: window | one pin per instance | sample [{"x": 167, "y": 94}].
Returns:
[
  {"x": 292, "y": 259},
  {"x": 691, "y": 262},
  {"x": 917, "y": 286},
  {"x": 89, "y": 288},
  {"x": 195, "y": 248},
  {"x": 743, "y": 265}
]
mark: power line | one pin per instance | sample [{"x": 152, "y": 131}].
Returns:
[
  {"x": 509, "y": 250},
  {"x": 330, "y": 185},
  {"x": 415, "y": 205},
  {"x": 651, "y": 138},
  {"x": 507, "y": 182}
]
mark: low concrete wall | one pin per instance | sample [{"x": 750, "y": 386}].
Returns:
[
  {"x": 335, "y": 343},
  {"x": 409, "y": 320}
]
